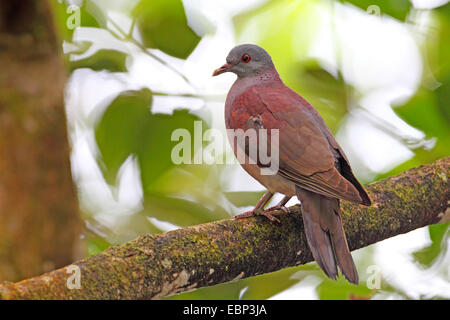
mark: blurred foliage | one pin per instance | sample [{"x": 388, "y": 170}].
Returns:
[
  {"x": 255, "y": 288},
  {"x": 191, "y": 194},
  {"x": 111, "y": 60},
  {"x": 328, "y": 93},
  {"x": 66, "y": 15},
  {"x": 245, "y": 198},
  {"x": 96, "y": 245},
  {"x": 163, "y": 25},
  {"x": 121, "y": 130},
  {"x": 342, "y": 290},
  {"x": 129, "y": 128},
  {"x": 438, "y": 236},
  {"x": 397, "y": 9}
]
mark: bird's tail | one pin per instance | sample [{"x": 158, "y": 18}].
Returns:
[{"x": 325, "y": 234}]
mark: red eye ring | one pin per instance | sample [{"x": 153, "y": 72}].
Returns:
[{"x": 246, "y": 58}]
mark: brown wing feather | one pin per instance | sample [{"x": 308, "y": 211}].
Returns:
[
  {"x": 306, "y": 145},
  {"x": 343, "y": 163}
]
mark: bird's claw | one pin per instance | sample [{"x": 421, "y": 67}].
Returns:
[
  {"x": 257, "y": 212},
  {"x": 269, "y": 216},
  {"x": 278, "y": 207}
]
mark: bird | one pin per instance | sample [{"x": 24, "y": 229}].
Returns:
[{"x": 311, "y": 163}]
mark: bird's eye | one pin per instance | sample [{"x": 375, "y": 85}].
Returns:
[{"x": 246, "y": 58}]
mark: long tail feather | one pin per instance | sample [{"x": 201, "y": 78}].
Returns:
[{"x": 325, "y": 234}]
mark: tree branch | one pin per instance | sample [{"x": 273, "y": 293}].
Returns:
[{"x": 158, "y": 265}]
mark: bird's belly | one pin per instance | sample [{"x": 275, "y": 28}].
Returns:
[{"x": 273, "y": 183}]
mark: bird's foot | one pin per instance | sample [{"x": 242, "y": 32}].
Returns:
[
  {"x": 279, "y": 207},
  {"x": 257, "y": 212},
  {"x": 269, "y": 216}
]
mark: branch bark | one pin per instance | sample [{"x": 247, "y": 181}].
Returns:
[{"x": 158, "y": 265}]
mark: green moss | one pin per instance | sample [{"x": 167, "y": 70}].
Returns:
[{"x": 141, "y": 268}]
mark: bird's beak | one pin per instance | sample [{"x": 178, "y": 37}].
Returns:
[{"x": 226, "y": 67}]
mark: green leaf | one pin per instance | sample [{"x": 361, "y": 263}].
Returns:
[
  {"x": 163, "y": 25},
  {"x": 426, "y": 113},
  {"x": 257, "y": 288},
  {"x": 112, "y": 60},
  {"x": 341, "y": 289},
  {"x": 130, "y": 227},
  {"x": 155, "y": 146},
  {"x": 438, "y": 235},
  {"x": 398, "y": 9},
  {"x": 423, "y": 113},
  {"x": 180, "y": 212},
  {"x": 325, "y": 92},
  {"x": 92, "y": 12},
  {"x": 119, "y": 131},
  {"x": 443, "y": 97},
  {"x": 128, "y": 127},
  {"x": 224, "y": 291},
  {"x": 96, "y": 244},
  {"x": 244, "y": 198},
  {"x": 442, "y": 42}
]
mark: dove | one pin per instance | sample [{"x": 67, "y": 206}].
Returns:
[{"x": 311, "y": 164}]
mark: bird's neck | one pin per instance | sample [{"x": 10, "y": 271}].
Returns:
[{"x": 268, "y": 77}]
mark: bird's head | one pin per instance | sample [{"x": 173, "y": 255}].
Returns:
[{"x": 246, "y": 60}]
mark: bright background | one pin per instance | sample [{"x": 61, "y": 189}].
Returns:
[{"x": 377, "y": 71}]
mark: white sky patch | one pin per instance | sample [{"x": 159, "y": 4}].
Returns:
[
  {"x": 242, "y": 292},
  {"x": 305, "y": 289},
  {"x": 198, "y": 15},
  {"x": 147, "y": 71},
  {"x": 108, "y": 202},
  {"x": 428, "y": 4},
  {"x": 165, "y": 226},
  {"x": 377, "y": 52},
  {"x": 394, "y": 256},
  {"x": 167, "y": 104},
  {"x": 100, "y": 39},
  {"x": 380, "y": 58},
  {"x": 380, "y": 151},
  {"x": 130, "y": 192},
  {"x": 118, "y": 6},
  {"x": 90, "y": 92},
  {"x": 237, "y": 179}
]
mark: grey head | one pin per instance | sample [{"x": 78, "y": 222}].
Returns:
[{"x": 246, "y": 60}]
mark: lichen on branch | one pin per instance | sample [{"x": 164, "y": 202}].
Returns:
[{"x": 158, "y": 265}]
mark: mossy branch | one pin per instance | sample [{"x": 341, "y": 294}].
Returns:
[{"x": 158, "y": 265}]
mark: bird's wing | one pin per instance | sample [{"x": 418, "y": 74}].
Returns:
[
  {"x": 343, "y": 164},
  {"x": 308, "y": 154}
]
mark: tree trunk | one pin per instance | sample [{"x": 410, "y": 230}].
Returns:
[{"x": 39, "y": 223}]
